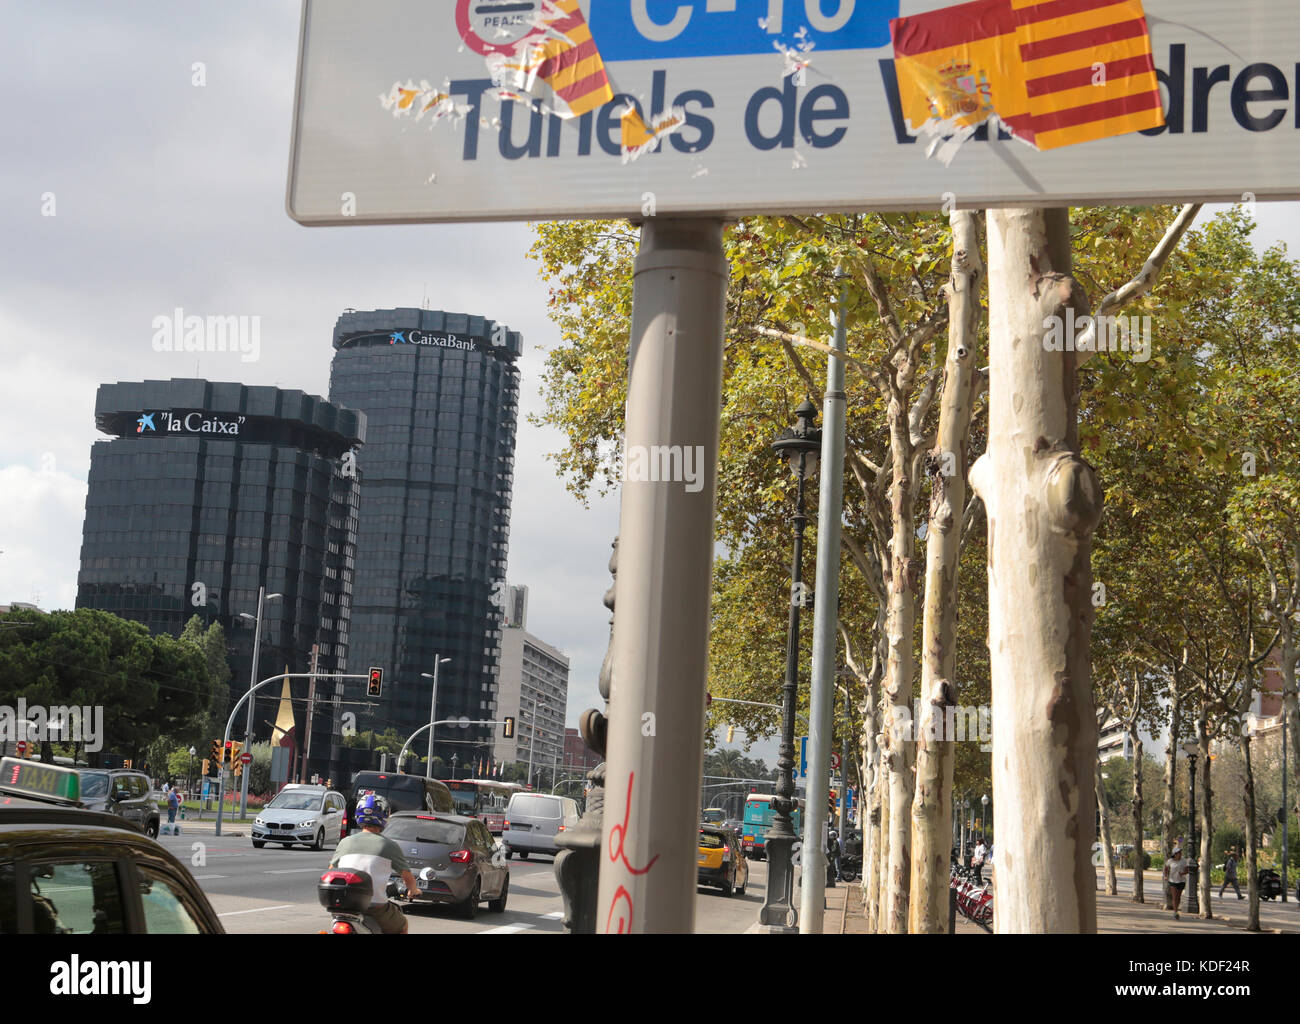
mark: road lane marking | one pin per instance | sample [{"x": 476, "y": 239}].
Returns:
[
  {"x": 292, "y": 871},
  {"x": 201, "y": 878},
  {"x": 257, "y": 910},
  {"x": 507, "y": 929}
]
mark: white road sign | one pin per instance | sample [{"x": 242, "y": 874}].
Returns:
[{"x": 445, "y": 110}]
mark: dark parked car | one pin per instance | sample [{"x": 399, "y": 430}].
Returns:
[
  {"x": 403, "y": 793},
  {"x": 452, "y": 858},
  {"x": 126, "y": 793},
  {"x": 65, "y": 870}
]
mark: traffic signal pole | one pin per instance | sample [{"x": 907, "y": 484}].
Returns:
[{"x": 230, "y": 722}]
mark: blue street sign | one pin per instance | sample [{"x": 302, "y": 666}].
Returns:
[{"x": 803, "y": 757}]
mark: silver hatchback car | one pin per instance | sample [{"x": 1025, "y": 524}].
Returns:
[
  {"x": 533, "y": 820},
  {"x": 310, "y": 815}
]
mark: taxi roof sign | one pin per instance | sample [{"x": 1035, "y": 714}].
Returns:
[{"x": 42, "y": 781}]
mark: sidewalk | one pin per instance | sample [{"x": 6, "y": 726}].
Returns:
[
  {"x": 208, "y": 826},
  {"x": 1116, "y": 915},
  {"x": 835, "y": 916}
]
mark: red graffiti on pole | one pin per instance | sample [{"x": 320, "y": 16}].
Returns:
[
  {"x": 620, "y": 894},
  {"x": 616, "y": 845},
  {"x": 617, "y": 836}
]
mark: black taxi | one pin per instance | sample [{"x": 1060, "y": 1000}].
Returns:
[{"x": 72, "y": 871}]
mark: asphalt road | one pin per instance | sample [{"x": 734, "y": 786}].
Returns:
[{"x": 273, "y": 890}]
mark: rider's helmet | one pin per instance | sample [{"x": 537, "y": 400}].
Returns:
[{"x": 372, "y": 811}]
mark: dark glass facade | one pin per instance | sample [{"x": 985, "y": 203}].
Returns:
[
  {"x": 207, "y": 491},
  {"x": 440, "y": 392}
]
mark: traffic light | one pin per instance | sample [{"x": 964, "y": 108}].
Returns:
[
  {"x": 508, "y": 729},
  {"x": 205, "y": 771},
  {"x": 376, "y": 685},
  {"x": 731, "y": 733},
  {"x": 235, "y": 747},
  {"x": 225, "y": 754},
  {"x": 216, "y": 753},
  {"x": 126, "y": 763}
]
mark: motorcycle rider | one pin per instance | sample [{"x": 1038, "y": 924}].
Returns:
[{"x": 378, "y": 856}]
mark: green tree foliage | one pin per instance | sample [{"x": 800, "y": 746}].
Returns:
[{"x": 148, "y": 686}]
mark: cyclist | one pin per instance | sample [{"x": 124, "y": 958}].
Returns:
[{"x": 378, "y": 856}]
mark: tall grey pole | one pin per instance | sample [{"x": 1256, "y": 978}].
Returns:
[
  {"x": 433, "y": 703},
  {"x": 661, "y": 646},
  {"x": 964, "y": 806},
  {"x": 532, "y": 741},
  {"x": 821, "y": 726},
  {"x": 252, "y": 681},
  {"x": 305, "y": 768},
  {"x": 1286, "y": 811}
]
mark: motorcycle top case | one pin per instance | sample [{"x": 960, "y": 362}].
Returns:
[{"x": 348, "y": 891}]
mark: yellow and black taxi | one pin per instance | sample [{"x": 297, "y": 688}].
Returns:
[
  {"x": 66, "y": 870},
  {"x": 721, "y": 861}
]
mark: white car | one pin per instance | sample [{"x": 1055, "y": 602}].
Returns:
[{"x": 310, "y": 815}]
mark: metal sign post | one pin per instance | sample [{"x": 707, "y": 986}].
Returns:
[{"x": 661, "y": 646}]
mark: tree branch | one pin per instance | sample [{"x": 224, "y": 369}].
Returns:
[{"x": 1140, "y": 284}]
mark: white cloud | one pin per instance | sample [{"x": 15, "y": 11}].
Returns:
[{"x": 40, "y": 535}]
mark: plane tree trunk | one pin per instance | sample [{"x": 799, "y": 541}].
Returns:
[
  {"x": 1203, "y": 809},
  {"x": 1043, "y": 503},
  {"x": 1171, "y": 781},
  {"x": 932, "y": 803},
  {"x": 1107, "y": 849}
]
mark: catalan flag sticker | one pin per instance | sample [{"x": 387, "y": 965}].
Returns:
[
  {"x": 541, "y": 49},
  {"x": 1051, "y": 72}
]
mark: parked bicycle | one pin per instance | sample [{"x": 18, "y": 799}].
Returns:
[{"x": 973, "y": 901}]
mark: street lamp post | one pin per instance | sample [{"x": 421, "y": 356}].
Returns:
[
  {"x": 433, "y": 701},
  {"x": 262, "y": 597},
  {"x": 1193, "y": 871},
  {"x": 190, "y": 786},
  {"x": 799, "y": 446},
  {"x": 532, "y": 737},
  {"x": 984, "y": 818}
]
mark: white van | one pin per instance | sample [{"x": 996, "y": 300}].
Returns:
[{"x": 533, "y": 820}]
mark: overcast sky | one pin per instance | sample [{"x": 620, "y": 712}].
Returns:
[{"x": 170, "y": 195}]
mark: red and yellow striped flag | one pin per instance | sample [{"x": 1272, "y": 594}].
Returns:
[
  {"x": 1056, "y": 72},
  {"x": 566, "y": 61},
  {"x": 1089, "y": 71}
]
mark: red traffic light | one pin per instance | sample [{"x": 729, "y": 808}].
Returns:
[{"x": 376, "y": 685}]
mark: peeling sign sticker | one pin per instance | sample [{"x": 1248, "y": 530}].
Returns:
[
  {"x": 1050, "y": 73},
  {"x": 540, "y": 54}
]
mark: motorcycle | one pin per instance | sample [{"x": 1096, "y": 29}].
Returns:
[
  {"x": 347, "y": 895},
  {"x": 1268, "y": 883},
  {"x": 850, "y": 868}
]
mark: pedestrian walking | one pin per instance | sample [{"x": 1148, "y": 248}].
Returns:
[
  {"x": 173, "y": 803},
  {"x": 1230, "y": 875},
  {"x": 977, "y": 862},
  {"x": 1175, "y": 874}
]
